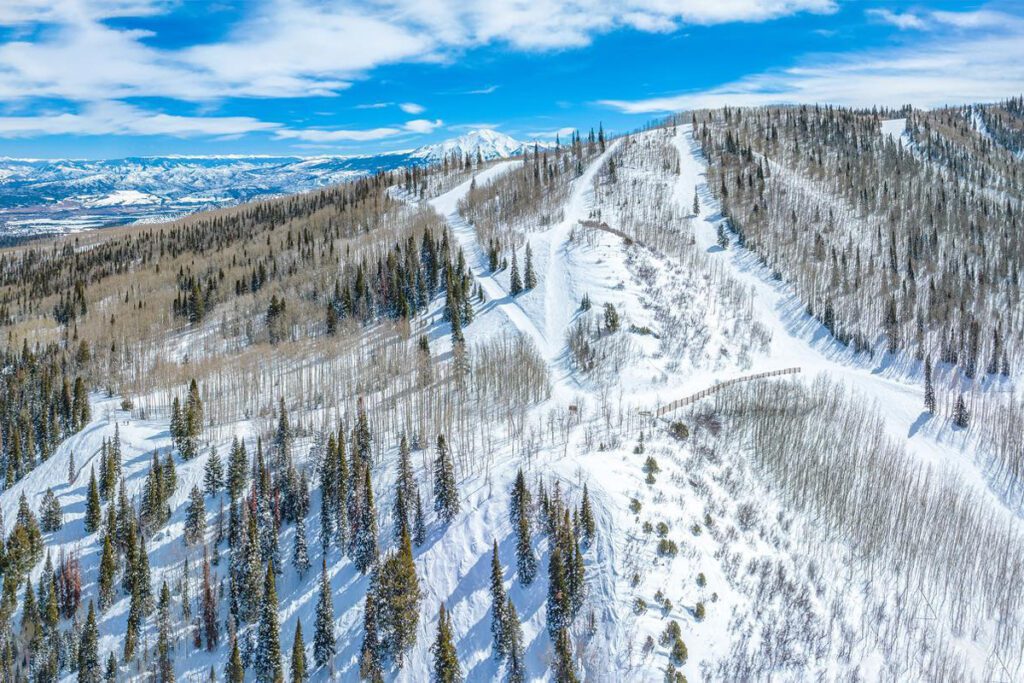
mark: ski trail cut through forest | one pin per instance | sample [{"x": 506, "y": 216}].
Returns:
[
  {"x": 799, "y": 339},
  {"x": 548, "y": 334}
]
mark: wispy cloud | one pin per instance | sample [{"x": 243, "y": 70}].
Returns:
[
  {"x": 941, "y": 68},
  {"x": 115, "y": 118},
  {"x": 904, "y": 21},
  {"x": 412, "y": 108},
  {"x": 416, "y": 126}
]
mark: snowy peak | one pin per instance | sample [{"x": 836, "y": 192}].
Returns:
[{"x": 489, "y": 143}]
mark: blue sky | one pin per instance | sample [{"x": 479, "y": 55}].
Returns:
[{"x": 111, "y": 78}]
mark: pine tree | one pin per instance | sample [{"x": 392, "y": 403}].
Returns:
[
  {"x": 696, "y": 204},
  {"x": 362, "y": 438},
  {"x": 93, "y": 511},
  {"x": 370, "y": 666},
  {"x": 558, "y": 594},
  {"x": 234, "y": 672},
  {"x": 419, "y": 532},
  {"x": 961, "y": 416},
  {"x": 446, "y": 661},
  {"x": 565, "y": 672},
  {"x": 298, "y": 655},
  {"x": 164, "y": 655},
  {"x": 210, "y": 627},
  {"x": 529, "y": 278},
  {"x": 195, "y": 518},
  {"x": 108, "y": 569},
  {"x": 929, "y": 390},
  {"x": 89, "y": 667},
  {"x": 365, "y": 549},
  {"x": 213, "y": 473},
  {"x": 512, "y": 631},
  {"x": 111, "y": 674},
  {"x": 396, "y": 589},
  {"x": 300, "y": 556},
  {"x": 587, "y": 518},
  {"x": 237, "y": 469},
  {"x": 268, "y": 654},
  {"x": 52, "y": 515},
  {"x": 515, "y": 283},
  {"x": 324, "y": 643},
  {"x": 498, "y": 598},
  {"x": 446, "y": 493},
  {"x": 526, "y": 561}
]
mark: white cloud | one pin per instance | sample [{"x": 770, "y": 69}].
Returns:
[
  {"x": 939, "y": 70},
  {"x": 551, "y": 134},
  {"x": 297, "y": 48},
  {"x": 417, "y": 126},
  {"x": 975, "y": 19},
  {"x": 902, "y": 21},
  {"x": 422, "y": 125},
  {"x": 412, "y": 108},
  {"x": 114, "y": 118}
]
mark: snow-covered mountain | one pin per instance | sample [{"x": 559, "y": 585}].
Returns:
[
  {"x": 490, "y": 144},
  {"x": 67, "y": 195}
]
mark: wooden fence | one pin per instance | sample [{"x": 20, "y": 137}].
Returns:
[{"x": 679, "y": 403}]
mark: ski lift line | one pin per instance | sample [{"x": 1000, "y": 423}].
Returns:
[{"x": 693, "y": 398}]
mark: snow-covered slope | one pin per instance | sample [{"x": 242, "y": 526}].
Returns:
[{"x": 740, "y": 583}]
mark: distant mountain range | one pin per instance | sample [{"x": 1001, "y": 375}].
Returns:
[{"x": 54, "y": 196}]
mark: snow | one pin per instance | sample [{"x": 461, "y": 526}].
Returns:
[
  {"x": 453, "y": 565},
  {"x": 490, "y": 144}
]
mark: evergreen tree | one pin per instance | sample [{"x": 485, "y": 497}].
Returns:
[
  {"x": 237, "y": 469},
  {"x": 300, "y": 556},
  {"x": 498, "y": 598},
  {"x": 268, "y": 651},
  {"x": 195, "y": 518},
  {"x": 961, "y": 416},
  {"x": 512, "y": 631},
  {"x": 370, "y": 667},
  {"x": 365, "y": 548},
  {"x": 526, "y": 561},
  {"x": 446, "y": 493},
  {"x": 93, "y": 510},
  {"x": 324, "y": 643},
  {"x": 397, "y": 592},
  {"x": 587, "y": 524},
  {"x": 210, "y": 627},
  {"x": 529, "y": 277},
  {"x": 362, "y": 438},
  {"x": 164, "y": 654},
  {"x": 234, "y": 672},
  {"x": 515, "y": 283},
  {"x": 558, "y": 594},
  {"x": 89, "y": 667},
  {"x": 929, "y": 390},
  {"x": 298, "y": 655},
  {"x": 520, "y": 498},
  {"x": 213, "y": 473},
  {"x": 446, "y": 661},
  {"x": 419, "y": 533},
  {"x": 52, "y": 515},
  {"x": 565, "y": 672},
  {"x": 108, "y": 569},
  {"x": 111, "y": 674}
]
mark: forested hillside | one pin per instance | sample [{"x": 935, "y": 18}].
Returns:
[{"x": 421, "y": 425}]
